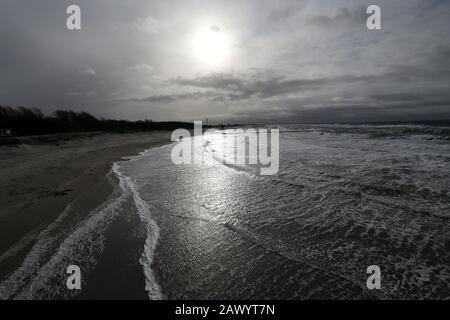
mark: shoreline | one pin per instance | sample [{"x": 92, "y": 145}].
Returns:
[{"x": 42, "y": 180}]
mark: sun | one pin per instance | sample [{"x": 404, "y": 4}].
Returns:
[{"x": 211, "y": 46}]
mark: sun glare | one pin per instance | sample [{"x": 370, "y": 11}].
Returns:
[{"x": 211, "y": 46}]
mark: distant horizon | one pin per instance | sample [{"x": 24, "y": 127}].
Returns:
[{"x": 49, "y": 114}]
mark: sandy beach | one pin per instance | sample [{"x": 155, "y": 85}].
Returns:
[{"x": 42, "y": 176}]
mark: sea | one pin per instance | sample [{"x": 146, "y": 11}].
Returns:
[{"x": 346, "y": 197}]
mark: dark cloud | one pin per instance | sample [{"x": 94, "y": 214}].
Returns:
[
  {"x": 378, "y": 97},
  {"x": 343, "y": 17},
  {"x": 168, "y": 98},
  {"x": 238, "y": 87},
  {"x": 214, "y": 28}
]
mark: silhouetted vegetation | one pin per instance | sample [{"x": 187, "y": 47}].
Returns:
[{"x": 25, "y": 121}]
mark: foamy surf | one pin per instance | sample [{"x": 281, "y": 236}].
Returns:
[
  {"x": 62, "y": 243},
  {"x": 144, "y": 212},
  {"x": 77, "y": 238},
  {"x": 345, "y": 198}
]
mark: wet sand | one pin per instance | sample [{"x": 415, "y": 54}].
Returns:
[{"x": 43, "y": 176}]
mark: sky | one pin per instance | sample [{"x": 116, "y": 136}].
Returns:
[{"x": 290, "y": 61}]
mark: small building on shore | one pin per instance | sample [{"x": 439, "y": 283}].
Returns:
[{"x": 5, "y": 132}]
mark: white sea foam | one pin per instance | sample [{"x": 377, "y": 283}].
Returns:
[
  {"x": 31, "y": 264},
  {"x": 346, "y": 197},
  {"x": 59, "y": 243},
  {"x": 144, "y": 211},
  {"x": 66, "y": 240}
]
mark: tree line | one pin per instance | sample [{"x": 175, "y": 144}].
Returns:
[{"x": 30, "y": 121}]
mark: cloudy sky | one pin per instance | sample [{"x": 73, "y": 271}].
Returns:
[{"x": 230, "y": 61}]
